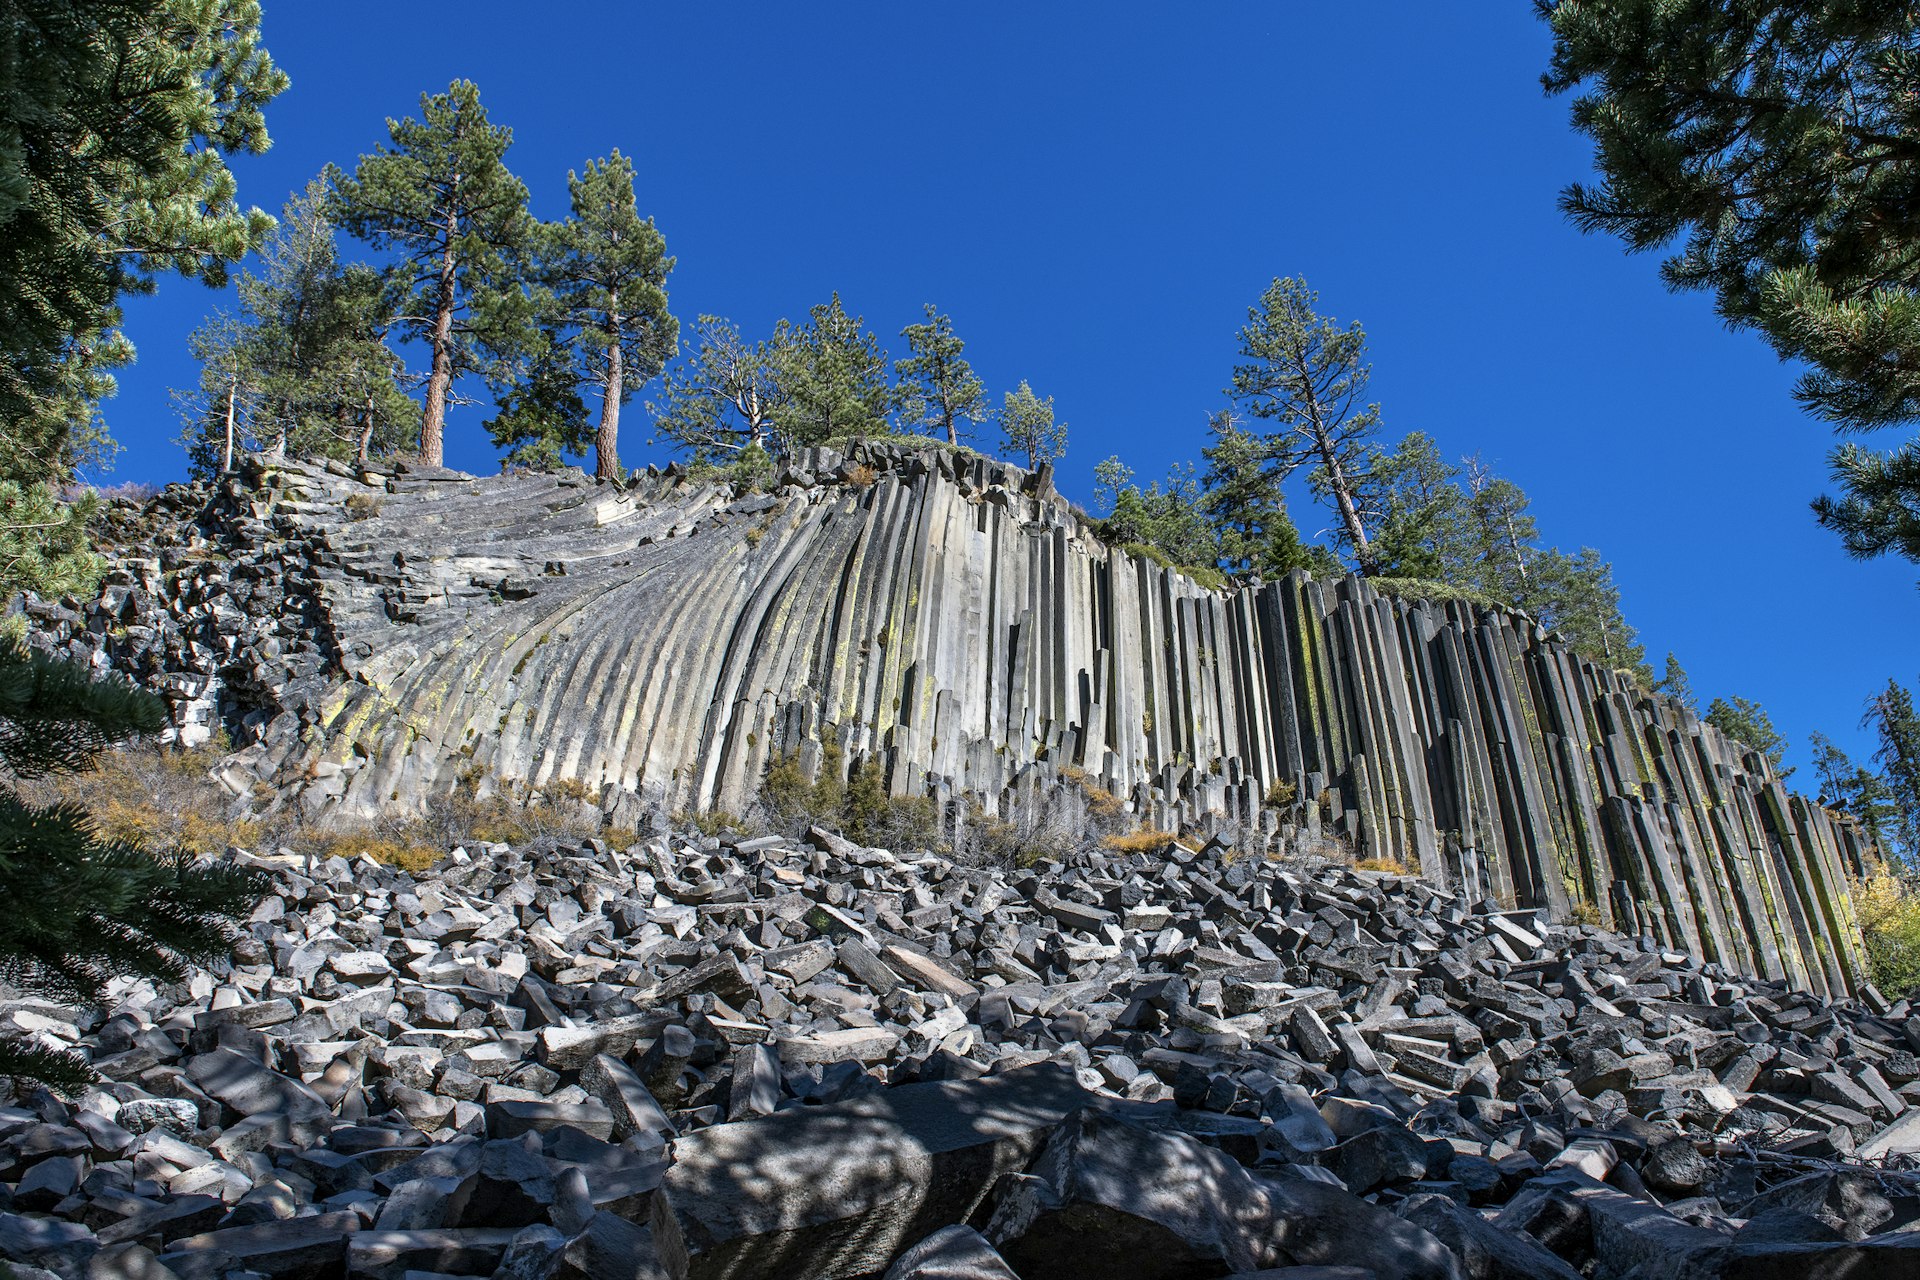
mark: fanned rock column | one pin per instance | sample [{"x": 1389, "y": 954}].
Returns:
[{"x": 953, "y": 619}]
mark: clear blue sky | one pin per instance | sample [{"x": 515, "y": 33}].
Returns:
[{"x": 1096, "y": 193}]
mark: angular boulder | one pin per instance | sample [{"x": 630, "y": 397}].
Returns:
[{"x": 840, "y": 1190}]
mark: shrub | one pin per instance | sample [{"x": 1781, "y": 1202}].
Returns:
[
  {"x": 393, "y": 851},
  {"x": 1143, "y": 840},
  {"x": 1583, "y": 912},
  {"x": 1282, "y": 794},
  {"x": 858, "y": 807},
  {"x": 1416, "y": 589},
  {"x": 1391, "y": 866},
  {"x": 1888, "y": 908},
  {"x": 362, "y": 506},
  {"x": 157, "y": 797},
  {"x": 861, "y": 476}
]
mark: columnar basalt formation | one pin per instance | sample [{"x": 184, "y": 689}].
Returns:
[{"x": 954, "y": 620}]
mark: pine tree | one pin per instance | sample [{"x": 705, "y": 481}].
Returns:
[
  {"x": 116, "y": 121},
  {"x": 937, "y": 386},
  {"x": 1576, "y": 596},
  {"x": 1779, "y": 142},
  {"x": 1674, "y": 683},
  {"x": 1747, "y": 723},
  {"x": 1170, "y": 522},
  {"x": 1891, "y": 715},
  {"x": 831, "y": 376},
  {"x": 455, "y": 220},
  {"x": 1500, "y": 533},
  {"x": 542, "y": 416},
  {"x": 84, "y": 910},
  {"x": 1307, "y": 377},
  {"x": 1414, "y": 500},
  {"x": 1245, "y": 503},
  {"x": 605, "y": 271},
  {"x": 1862, "y": 794},
  {"x": 1028, "y": 424},
  {"x": 302, "y": 370},
  {"x": 719, "y": 402}
]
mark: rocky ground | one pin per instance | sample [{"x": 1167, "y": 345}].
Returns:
[{"x": 767, "y": 1059}]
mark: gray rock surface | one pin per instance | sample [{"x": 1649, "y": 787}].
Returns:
[
  {"x": 1112, "y": 1064},
  {"x": 370, "y": 637}
]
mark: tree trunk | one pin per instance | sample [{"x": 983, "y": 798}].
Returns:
[
  {"x": 1343, "y": 499},
  {"x": 366, "y": 431},
  {"x": 606, "y": 444},
  {"x": 433, "y": 421},
  {"x": 1519, "y": 560},
  {"x": 226, "y": 456}
]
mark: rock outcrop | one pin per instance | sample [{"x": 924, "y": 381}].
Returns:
[
  {"x": 373, "y": 639},
  {"x": 700, "y": 1059}
]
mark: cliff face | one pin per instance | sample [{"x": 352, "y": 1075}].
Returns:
[{"x": 377, "y": 639}]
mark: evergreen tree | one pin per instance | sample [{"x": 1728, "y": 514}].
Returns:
[
  {"x": 455, "y": 219},
  {"x": 45, "y": 545},
  {"x": 1748, "y": 724},
  {"x": 605, "y": 270},
  {"x": 1307, "y": 377},
  {"x": 303, "y": 369},
  {"x": 1674, "y": 683},
  {"x": 1891, "y": 715},
  {"x": 831, "y": 376},
  {"x": 1860, "y": 793},
  {"x": 1879, "y": 511},
  {"x": 1500, "y": 533},
  {"x": 937, "y": 386},
  {"x": 1576, "y": 596},
  {"x": 719, "y": 402},
  {"x": 116, "y": 121},
  {"x": 1413, "y": 499},
  {"x": 1028, "y": 424},
  {"x": 1172, "y": 522},
  {"x": 84, "y": 910},
  {"x": 1246, "y": 505},
  {"x": 542, "y": 416},
  {"x": 1779, "y": 142}
]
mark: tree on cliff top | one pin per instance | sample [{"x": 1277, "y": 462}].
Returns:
[
  {"x": 302, "y": 369},
  {"x": 718, "y": 401},
  {"x": 1778, "y": 141},
  {"x": 442, "y": 200},
  {"x": 1675, "y": 684},
  {"x": 1305, "y": 375},
  {"x": 1247, "y": 507},
  {"x": 1576, "y": 596},
  {"x": 831, "y": 377},
  {"x": 605, "y": 273},
  {"x": 937, "y": 386},
  {"x": 1892, "y": 717},
  {"x": 82, "y": 910},
  {"x": 1030, "y": 427},
  {"x": 1747, "y": 723}
]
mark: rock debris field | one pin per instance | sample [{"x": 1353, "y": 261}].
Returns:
[{"x": 795, "y": 1059}]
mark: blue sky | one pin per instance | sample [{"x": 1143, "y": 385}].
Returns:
[{"x": 1096, "y": 194}]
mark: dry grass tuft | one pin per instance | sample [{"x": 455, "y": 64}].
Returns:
[
  {"x": 1390, "y": 866},
  {"x": 1144, "y": 840}
]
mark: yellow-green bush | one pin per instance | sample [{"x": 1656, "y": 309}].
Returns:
[{"x": 1888, "y": 908}]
